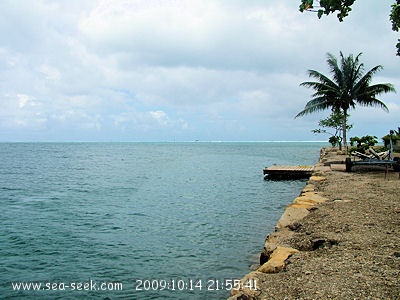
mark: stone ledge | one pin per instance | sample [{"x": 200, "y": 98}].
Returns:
[
  {"x": 300, "y": 207},
  {"x": 276, "y": 262},
  {"x": 277, "y": 248},
  {"x": 317, "y": 178}
]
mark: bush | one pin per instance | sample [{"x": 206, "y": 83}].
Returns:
[
  {"x": 395, "y": 138},
  {"x": 362, "y": 144},
  {"x": 335, "y": 141}
]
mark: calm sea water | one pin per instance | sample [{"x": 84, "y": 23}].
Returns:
[{"x": 77, "y": 215}]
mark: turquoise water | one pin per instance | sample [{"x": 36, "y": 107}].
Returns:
[{"x": 78, "y": 215}]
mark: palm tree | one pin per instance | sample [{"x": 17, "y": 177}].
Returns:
[{"x": 348, "y": 87}]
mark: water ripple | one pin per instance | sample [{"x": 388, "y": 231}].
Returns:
[{"x": 117, "y": 212}]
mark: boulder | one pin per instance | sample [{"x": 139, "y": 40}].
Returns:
[{"x": 276, "y": 262}]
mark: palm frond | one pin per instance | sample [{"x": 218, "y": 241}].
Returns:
[
  {"x": 366, "y": 79},
  {"x": 373, "y": 102},
  {"x": 321, "y": 83},
  {"x": 367, "y": 97},
  {"x": 316, "y": 104},
  {"x": 334, "y": 68},
  {"x": 348, "y": 86}
]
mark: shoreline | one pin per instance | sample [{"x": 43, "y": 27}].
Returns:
[{"x": 340, "y": 238}]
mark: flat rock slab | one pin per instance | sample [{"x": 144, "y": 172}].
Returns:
[
  {"x": 276, "y": 263},
  {"x": 293, "y": 213}
]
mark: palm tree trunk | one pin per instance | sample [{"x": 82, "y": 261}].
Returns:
[{"x": 344, "y": 129}]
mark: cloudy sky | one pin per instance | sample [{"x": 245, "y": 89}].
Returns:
[{"x": 180, "y": 70}]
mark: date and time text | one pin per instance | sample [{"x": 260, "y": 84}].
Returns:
[{"x": 180, "y": 284}]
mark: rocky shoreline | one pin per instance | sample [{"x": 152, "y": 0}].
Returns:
[{"x": 340, "y": 239}]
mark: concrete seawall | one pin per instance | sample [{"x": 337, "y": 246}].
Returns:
[
  {"x": 276, "y": 251},
  {"x": 299, "y": 239}
]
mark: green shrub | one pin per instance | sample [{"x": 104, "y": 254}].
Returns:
[
  {"x": 362, "y": 144},
  {"x": 395, "y": 137}
]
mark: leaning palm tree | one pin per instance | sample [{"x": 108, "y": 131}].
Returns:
[{"x": 348, "y": 87}]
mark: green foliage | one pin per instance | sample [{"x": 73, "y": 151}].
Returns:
[
  {"x": 395, "y": 137},
  {"x": 395, "y": 16},
  {"x": 335, "y": 141},
  {"x": 395, "y": 19},
  {"x": 329, "y": 6},
  {"x": 335, "y": 123},
  {"x": 349, "y": 86},
  {"x": 343, "y": 7},
  {"x": 362, "y": 144}
]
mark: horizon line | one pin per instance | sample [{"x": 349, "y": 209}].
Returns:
[{"x": 191, "y": 141}]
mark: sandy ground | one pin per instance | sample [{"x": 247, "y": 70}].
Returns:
[{"x": 358, "y": 256}]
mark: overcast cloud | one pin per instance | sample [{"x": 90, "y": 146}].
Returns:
[{"x": 153, "y": 70}]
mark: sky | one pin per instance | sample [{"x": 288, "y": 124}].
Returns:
[{"x": 181, "y": 70}]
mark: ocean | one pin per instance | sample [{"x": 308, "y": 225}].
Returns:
[{"x": 138, "y": 220}]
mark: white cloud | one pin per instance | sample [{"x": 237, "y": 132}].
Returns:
[
  {"x": 50, "y": 73},
  {"x": 23, "y": 100},
  {"x": 21, "y": 111},
  {"x": 195, "y": 69}
]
